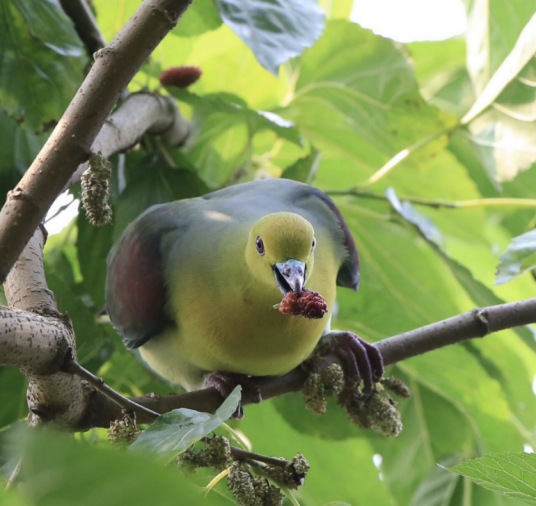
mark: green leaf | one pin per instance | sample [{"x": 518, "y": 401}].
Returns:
[
  {"x": 438, "y": 487},
  {"x": 152, "y": 182},
  {"x": 41, "y": 61},
  {"x": 500, "y": 57},
  {"x": 275, "y": 30},
  {"x": 202, "y": 16},
  {"x": 92, "y": 247},
  {"x": 238, "y": 112},
  {"x": 89, "y": 335},
  {"x": 18, "y": 146},
  {"x": 356, "y": 96},
  {"x": 510, "y": 474},
  {"x": 12, "y": 498},
  {"x": 58, "y": 471},
  {"x": 175, "y": 431},
  {"x": 519, "y": 258},
  {"x": 13, "y": 386},
  {"x": 304, "y": 169},
  {"x": 523, "y": 51}
]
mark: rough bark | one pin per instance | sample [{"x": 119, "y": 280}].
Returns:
[{"x": 36, "y": 339}]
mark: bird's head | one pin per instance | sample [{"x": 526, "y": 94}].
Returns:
[{"x": 280, "y": 251}]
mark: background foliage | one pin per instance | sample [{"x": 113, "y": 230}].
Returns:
[{"x": 338, "y": 112}]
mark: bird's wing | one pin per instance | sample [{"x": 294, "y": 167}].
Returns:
[
  {"x": 136, "y": 291},
  {"x": 348, "y": 275}
]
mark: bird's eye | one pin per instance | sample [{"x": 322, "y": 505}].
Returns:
[
  {"x": 259, "y": 244},
  {"x": 314, "y": 244}
]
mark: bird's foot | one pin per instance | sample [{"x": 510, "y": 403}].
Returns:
[
  {"x": 226, "y": 382},
  {"x": 361, "y": 361}
]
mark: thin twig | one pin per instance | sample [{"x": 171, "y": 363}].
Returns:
[
  {"x": 440, "y": 203},
  {"x": 241, "y": 454},
  {"x": 75, "y": 368}
]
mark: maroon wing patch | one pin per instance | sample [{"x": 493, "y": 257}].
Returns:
[{"x": 135, "y": 288}]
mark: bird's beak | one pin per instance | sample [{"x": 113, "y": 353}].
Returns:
[{"x": 290, "y": 276}]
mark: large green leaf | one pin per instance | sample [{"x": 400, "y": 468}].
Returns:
[
  {"x": 41, "y": 61},
  {"x": 275, "y": 30},
  {"x": 152, "y": 182},
  {"x": 510, "y": 474},
  {"x": 237, "y": 111},
  {"x": 89, "y": 335},
  {"x": 501, "y": 64},
  {"x": 202, "y": 16},
  {"x": 438, "y": 487},
  {"x": 340, "y": 470},
  {"x": 93, "y": 245},
  {"x": 178, "y": 429},
  {"x": 356, "y": 95},
  {"x": 18, "y": 146}
]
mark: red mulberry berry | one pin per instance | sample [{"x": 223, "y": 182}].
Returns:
[
  {"x": 310, "y": 304},
  {"x": 181, "y": 77}
]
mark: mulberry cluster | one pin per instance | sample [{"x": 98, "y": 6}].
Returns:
[
  {"x": 309, "y": 304},
  {"x": 217, "y": 455},
  {"x": 250, "y": 491}
]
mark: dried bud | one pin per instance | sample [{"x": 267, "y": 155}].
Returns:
[
  {"x": 310, "y": 304},
  {"x": 123, "y": 432},
  {"x": 181, "y": 77},
  {"x": 96, "y": 190}
]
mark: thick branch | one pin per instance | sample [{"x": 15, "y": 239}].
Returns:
[
  {"x": 475, "y": 323},
  {"x": 70, "y": 143},
  {"x": 141, "y": 113},
  {"x": 38, "y": 344},
  {"x": 85, "y": 24}
]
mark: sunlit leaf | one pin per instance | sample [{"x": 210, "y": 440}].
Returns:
[
  {"x": 275, "y": 30},
  {"x": 510, "y": 474},
  {"x": 175, "y": 431}
]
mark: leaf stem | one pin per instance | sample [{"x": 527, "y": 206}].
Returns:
[{"x": 440, "y": 203}]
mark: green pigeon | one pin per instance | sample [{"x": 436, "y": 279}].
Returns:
[{"x": 193, "y": 284}]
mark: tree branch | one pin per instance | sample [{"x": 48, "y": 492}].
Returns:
[
  {"x": 140, "y": 113},
  {"x": 70, "y": 143},
  {"x": 475, "y": 323},
  {"x": 37, "y": 344},
  {"x": 85, "y": 24},
  {"x": 440, "y": 203}
]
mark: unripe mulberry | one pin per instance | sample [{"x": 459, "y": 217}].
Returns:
[
  {"x": 181, "y": 77},
  {"x": 310, "y": 304}
]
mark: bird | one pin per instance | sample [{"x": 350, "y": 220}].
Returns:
[{"x": 194, "y": 285}]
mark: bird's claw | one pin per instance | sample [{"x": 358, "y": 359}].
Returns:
[
  {"x": 225, "y": 383},
  {"x": 361, "y": 361}
]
